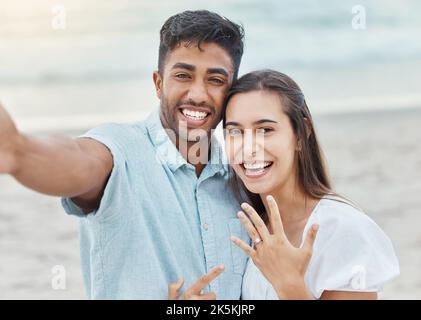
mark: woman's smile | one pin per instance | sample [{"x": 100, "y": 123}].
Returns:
[{"x": 257, "y": 169}]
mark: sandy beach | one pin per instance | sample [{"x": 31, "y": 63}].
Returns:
[{"x": 374, "y": 159}]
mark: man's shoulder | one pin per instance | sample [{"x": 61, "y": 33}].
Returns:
[
  {"x": 116, "y": 130},
  {"x": 120, "y": 129},
  {"x": 119, "y": 137}
]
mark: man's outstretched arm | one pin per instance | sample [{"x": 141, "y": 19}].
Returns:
[{"x": 65, "y": 167}]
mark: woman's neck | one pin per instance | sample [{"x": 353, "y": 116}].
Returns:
[{"x": 294, "y": 205}]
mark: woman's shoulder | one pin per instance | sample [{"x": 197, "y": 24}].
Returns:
[
  {"x": 347, "y": 234},
  {"x": 338, "y": 217},
  {"x": 351, "y": 252}
]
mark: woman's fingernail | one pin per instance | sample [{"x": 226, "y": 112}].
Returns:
[
  {"x": 244, "y": 205},
  {"x": 269, "y": 198},
  {"x": 240, "y": 214},
  {"x": 315, "y": 227}
]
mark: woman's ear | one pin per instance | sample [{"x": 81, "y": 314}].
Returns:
[
  {"x": 157, "y": 80},
  {"x": 308, "y": 126},
  {"x": 299, "y": 146}
]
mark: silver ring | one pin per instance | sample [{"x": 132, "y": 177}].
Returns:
[{"x": 257, "y": 241}]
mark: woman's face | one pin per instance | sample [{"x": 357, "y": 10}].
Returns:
[{"x": 260, "y": 142}]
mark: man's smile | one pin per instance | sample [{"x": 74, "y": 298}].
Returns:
[{"x": 194, "y": 116}]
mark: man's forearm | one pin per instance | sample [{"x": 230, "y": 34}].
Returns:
[{"x": 59, "y": 166}]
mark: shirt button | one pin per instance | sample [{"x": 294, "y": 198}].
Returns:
[{"x": 206, "y": 226}]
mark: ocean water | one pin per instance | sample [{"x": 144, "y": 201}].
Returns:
[{"x": 99, "y": 67}]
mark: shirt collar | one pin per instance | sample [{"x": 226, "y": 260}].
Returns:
[{"x": 168, "y": 154}]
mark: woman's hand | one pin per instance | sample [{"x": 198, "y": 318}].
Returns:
[
  {"x": 195, "y": 291},
  {"x": 283, "y": 265}
]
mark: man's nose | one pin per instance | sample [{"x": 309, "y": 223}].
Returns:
[{"x": 198, "y": 92}]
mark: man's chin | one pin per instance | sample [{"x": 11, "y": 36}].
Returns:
[
  {"x": 193, "y": 135},
  {"x": 190, "y": 134}
]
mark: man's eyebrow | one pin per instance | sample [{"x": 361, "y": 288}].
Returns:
[
  {"x": 233, "y": 123},
  {"x": 181, "y": 65},
  {"x": 218, "y": 70}
]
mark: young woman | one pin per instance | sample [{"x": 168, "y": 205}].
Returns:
[{"x": 273, "y": 149}]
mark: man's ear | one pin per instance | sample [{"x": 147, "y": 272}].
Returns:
[{"x": 157, "y": 80}]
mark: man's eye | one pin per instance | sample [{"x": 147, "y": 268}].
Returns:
[
  {"x": 217, "y": 80},
  {"x": 234, "y": 132},
  {"x": 182, "y": 76}
]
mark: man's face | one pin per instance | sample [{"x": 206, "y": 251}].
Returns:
[{"x": 192, "y": 89}]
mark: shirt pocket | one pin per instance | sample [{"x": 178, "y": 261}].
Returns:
[{"x": 239, "y": 257}]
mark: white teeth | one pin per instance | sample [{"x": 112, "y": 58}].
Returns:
[
  {"x": 196, "y": 115},
  {"x": 257, "y": 165}
]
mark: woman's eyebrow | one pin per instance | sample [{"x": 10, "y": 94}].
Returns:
[
  {"x": 233, "y": 123},
  {"x": 264, "y": 120}
]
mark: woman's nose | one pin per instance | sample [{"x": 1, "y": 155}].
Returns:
[{"x": 253, "y": 145}]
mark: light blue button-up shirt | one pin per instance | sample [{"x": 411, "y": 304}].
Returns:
[{"x": 157, "y": 221}]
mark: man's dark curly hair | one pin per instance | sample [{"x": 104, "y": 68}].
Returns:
[{"x": 201, "y": 26}]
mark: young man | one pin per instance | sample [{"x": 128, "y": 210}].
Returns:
[{"x": 153, "y": 210}]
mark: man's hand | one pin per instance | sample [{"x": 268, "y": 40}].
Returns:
[
  {"x": 195, "y": 291},
  {"x": 9, "y": 140}
]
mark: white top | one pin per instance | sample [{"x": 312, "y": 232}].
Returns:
[{"x": 350, "y": 253}]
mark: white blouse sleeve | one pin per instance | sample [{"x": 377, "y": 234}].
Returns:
[{"x": 351, "y": 253}]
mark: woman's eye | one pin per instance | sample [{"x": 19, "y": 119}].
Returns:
[
  {"x": 234, "y": 132},
  {"x": 263, "y": 130}
]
